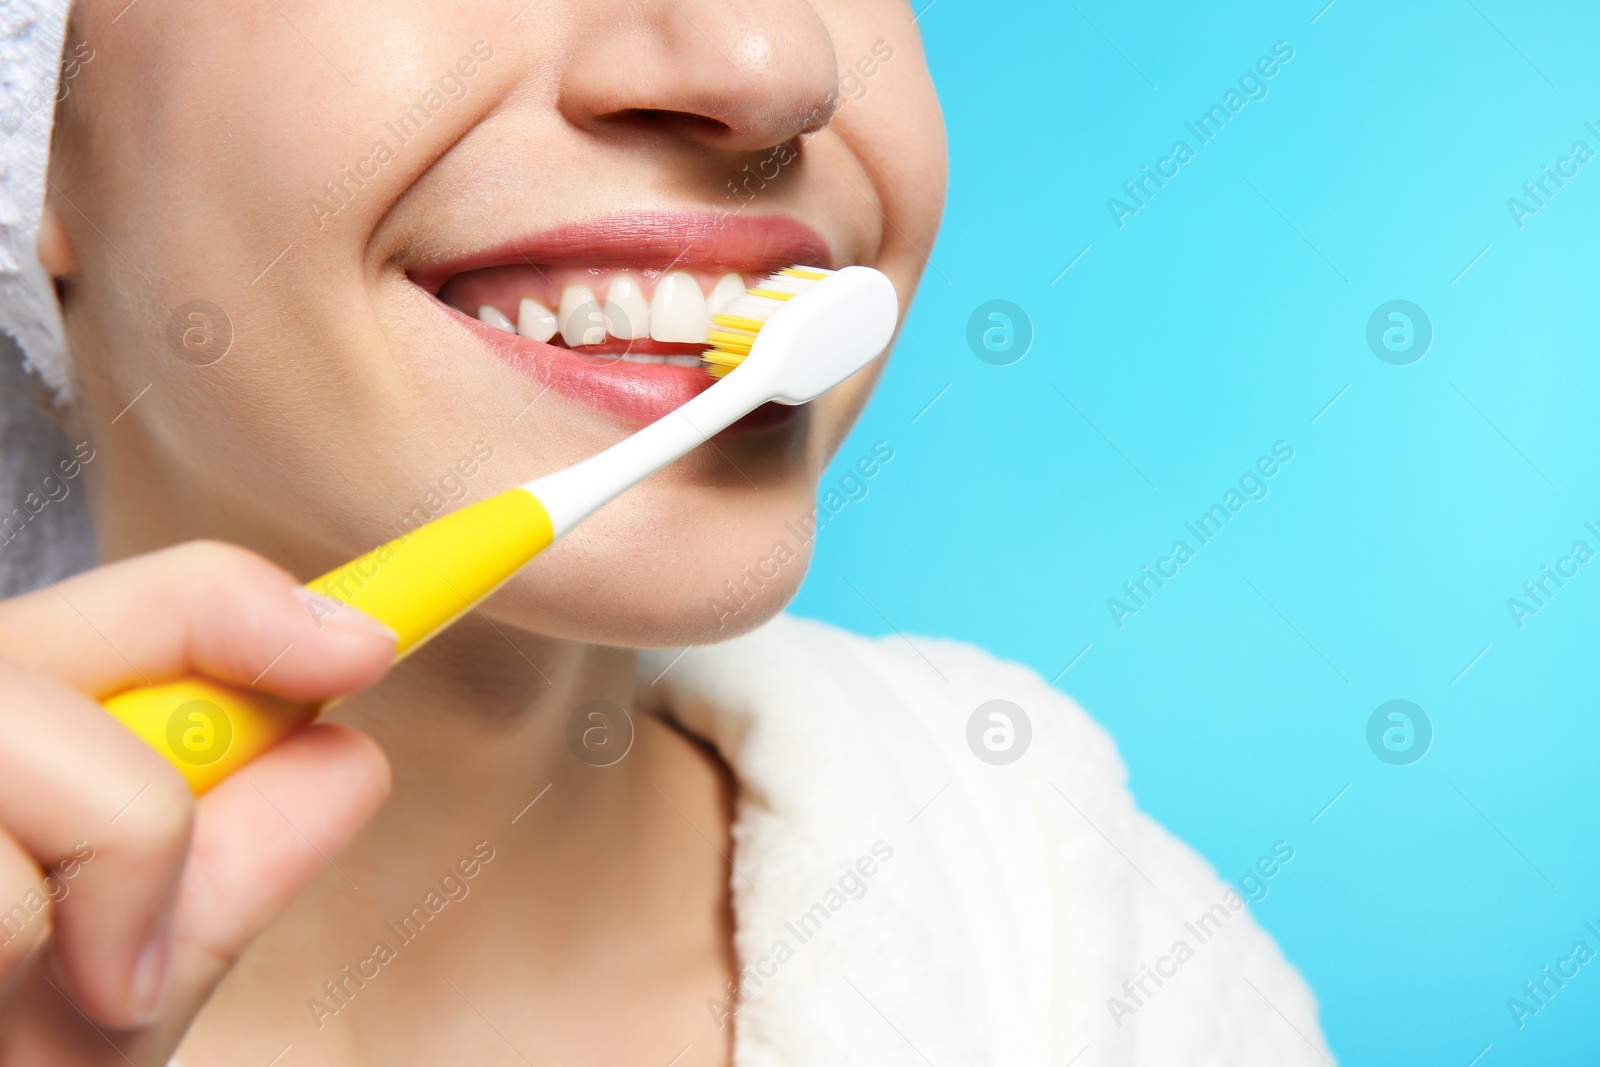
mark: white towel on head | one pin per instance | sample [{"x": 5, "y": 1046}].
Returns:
[{"x": 31, "y": 37}]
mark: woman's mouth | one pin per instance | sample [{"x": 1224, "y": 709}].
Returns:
[{"x": 614, "y": 312}]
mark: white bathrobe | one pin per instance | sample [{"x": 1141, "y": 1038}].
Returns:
[{"x": 900, "y": 901}]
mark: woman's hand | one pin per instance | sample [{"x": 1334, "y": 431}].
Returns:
[{"x": 124, "y": 899}]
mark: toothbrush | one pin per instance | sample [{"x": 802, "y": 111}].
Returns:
[{"x": 791, "y": 338}]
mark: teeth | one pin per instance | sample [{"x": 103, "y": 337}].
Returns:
[
  {"x": 677, "y": 310},
  {"x": 490, "y": 315},
  {"x": 671, "y": 361},
  {"x": 627, "y": 314},
  {"x": 728, "y": 288},
  {"x": 535, "y": 321},
  {"x": 582, "y": 322}
]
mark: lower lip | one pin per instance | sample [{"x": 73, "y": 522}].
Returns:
[{"x": 637, "y": 393}]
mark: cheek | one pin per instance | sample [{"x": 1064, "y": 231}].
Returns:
[
  {"x": 896, "y": 128},
  {"x": 239, "y": 339}
]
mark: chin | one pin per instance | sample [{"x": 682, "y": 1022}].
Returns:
[{"x": 671, "y": 567}]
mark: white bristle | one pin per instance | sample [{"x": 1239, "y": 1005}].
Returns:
[{"x": 730, "y": 333}]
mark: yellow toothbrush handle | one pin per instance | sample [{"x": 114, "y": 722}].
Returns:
[
  {"x": 416, "y": 585},
  {"x": 206, "y": 729}
]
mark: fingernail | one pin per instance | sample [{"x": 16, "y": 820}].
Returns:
[
  {"x": 150, "y": 975},
  {"x": 330, "y": 612}
]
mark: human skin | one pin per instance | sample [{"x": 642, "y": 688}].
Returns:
[{"x": 186, "y": 155}]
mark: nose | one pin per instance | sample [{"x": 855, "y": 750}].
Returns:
[{"x": 735, "y": 76}]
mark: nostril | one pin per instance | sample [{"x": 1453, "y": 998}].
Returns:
[
  {"x": 734, "y": 77},
  {"x": 675, "y": 123}
]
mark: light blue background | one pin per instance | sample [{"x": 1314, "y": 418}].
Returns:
[{"x": 1224, "y": 318}]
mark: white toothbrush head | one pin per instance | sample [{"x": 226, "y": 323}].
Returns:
[
  {"x": 793, "y": 337},
  {"x": 804, "y": 330}
]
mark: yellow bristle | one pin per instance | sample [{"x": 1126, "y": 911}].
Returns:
[
  {"x": 718, "y": 363},
  {"x": 732, "y": 336},
  {"x": 732, "y": 342},
  {"x": 733, "y": 323}
]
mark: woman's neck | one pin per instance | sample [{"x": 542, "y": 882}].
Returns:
[
  {"x": 485, "y": 706},
  {"x": 608, "y": 882}
]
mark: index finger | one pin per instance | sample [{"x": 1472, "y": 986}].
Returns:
[{"x": 202, "y": 607}]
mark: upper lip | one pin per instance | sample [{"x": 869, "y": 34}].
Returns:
[{"x": 648, "y": 240}]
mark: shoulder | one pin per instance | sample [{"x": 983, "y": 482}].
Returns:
[
  {"x": 1032, "y": 885},
  {"x": 925, "y": 705}
]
